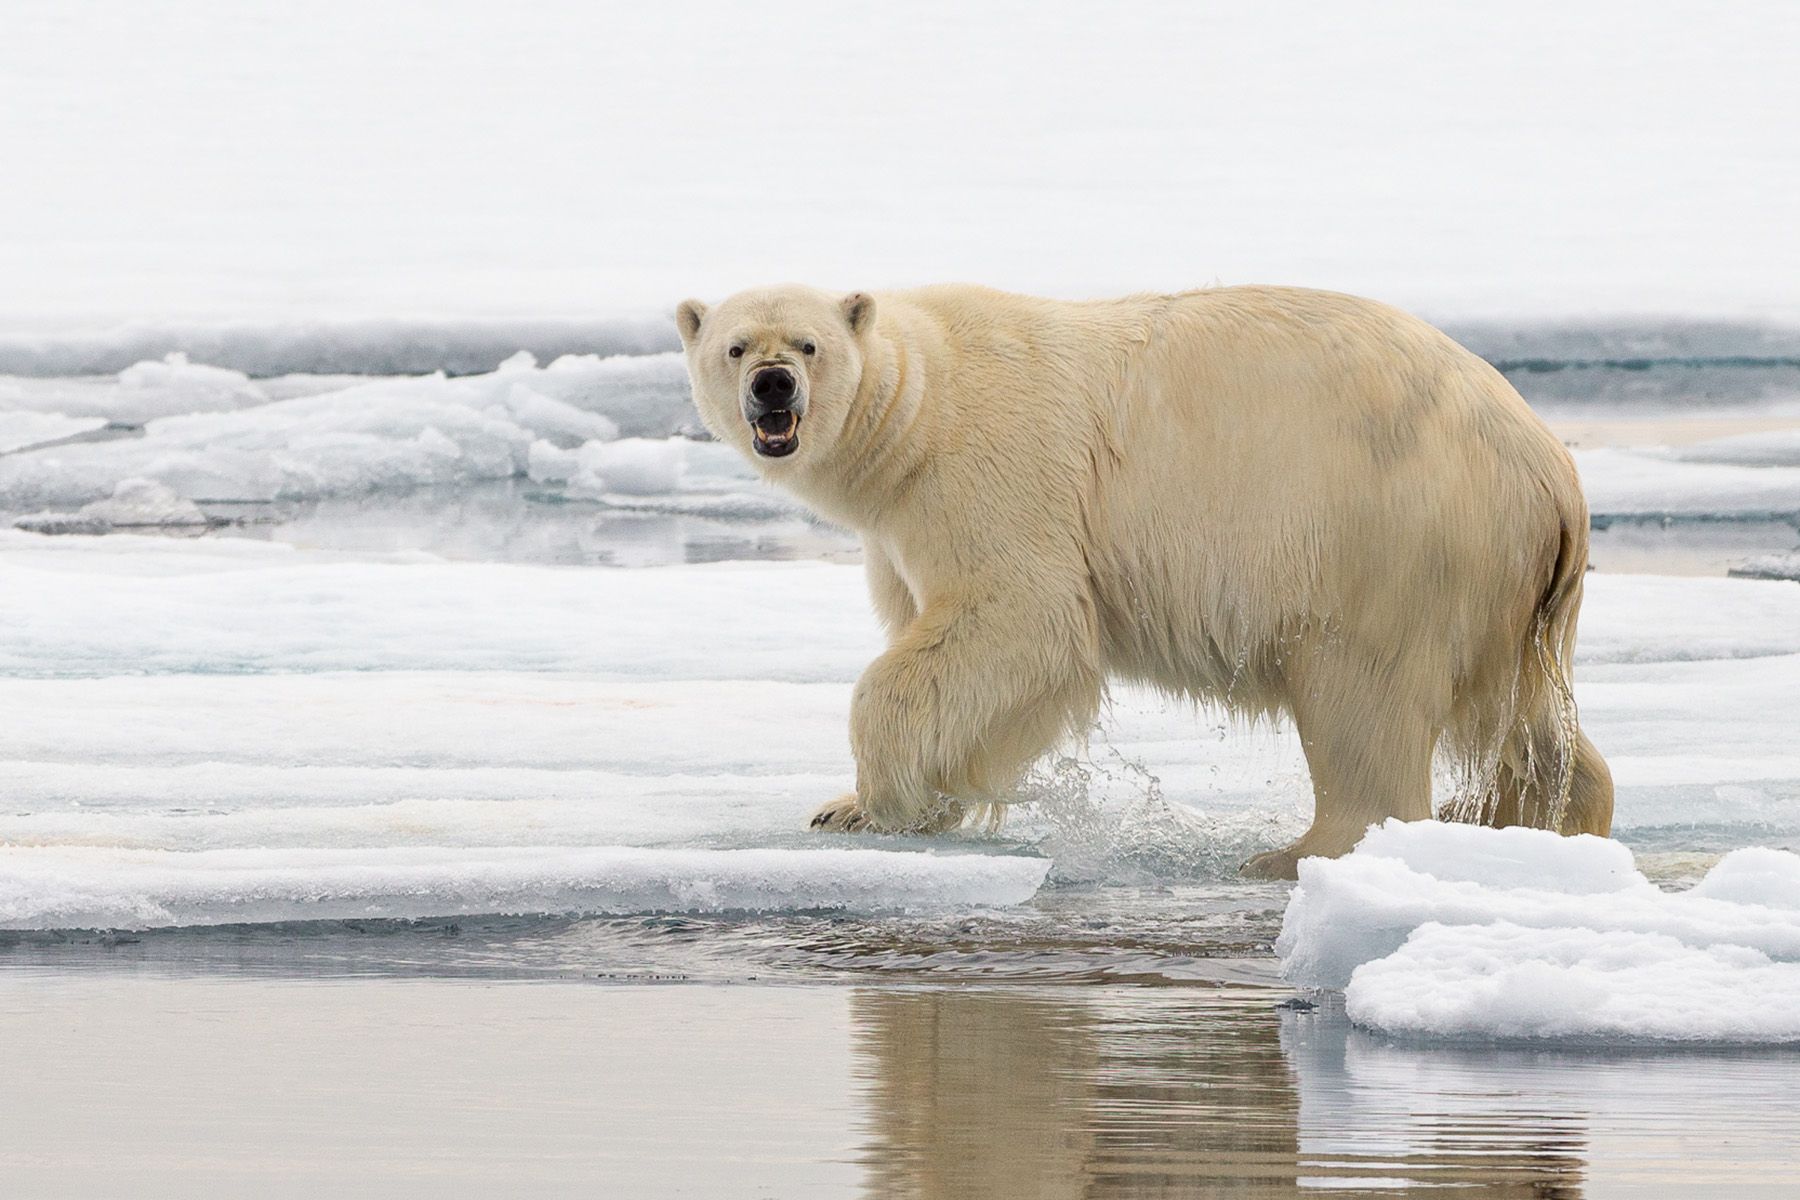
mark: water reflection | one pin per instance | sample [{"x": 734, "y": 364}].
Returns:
[
  {"x": 516, "y": 521},
  {"x": 1179, "y": 1092},
  {"x": 1095, "y": 1094}
]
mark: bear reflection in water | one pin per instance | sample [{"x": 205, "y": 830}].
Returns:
[{"x": 1015, "y": 1093}]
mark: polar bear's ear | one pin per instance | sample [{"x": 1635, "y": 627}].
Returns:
[
  {"x": 859, "y": 310},
  {"x": 688, "y": 315}
]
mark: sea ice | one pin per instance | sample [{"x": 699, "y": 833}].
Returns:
[
  {"x": 184, "y": 386},
  {"x": 1656, "y": 618},
  {"x": 22, "y": 430},
  {"x": 226, "y": 694},
  {"x": 366, "y": 346},
  {"x": 86, "y": 887},
  {"x": 1639, "y": 483},
  {"x": 634, "y": 467},
  {"x": 134, "y": 504},
  {"x": 1770, "y": 448},
  {"x": 214, "y": 435},
  {"x": 1770, "y": 566},
  {"x": 1457, "y": 930},
  {"x": 148, "y": 605}
]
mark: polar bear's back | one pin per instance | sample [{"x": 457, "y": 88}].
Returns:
[{"x": 1280, "y": 462}]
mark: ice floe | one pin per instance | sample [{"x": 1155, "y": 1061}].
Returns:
[
  {"x": 134, "y": 504},
  {"x": 82, "y": 887},
  {"x": 24, "y": 430},
  {"x": 1769, "y": 448},
  {"x": 1639, "y": 483},
  {"x": 210, "y": 434},
  {"x": 1463, "y": 931},
  {"x": 1653, "y": 618},
  {"x": 367, "y": 346},
  {"x": 1770, "y": 566},
  {"x": 671, "y": 623},
  {"x": 145, "y": 605},
  {"x": 226, "y": 694}
]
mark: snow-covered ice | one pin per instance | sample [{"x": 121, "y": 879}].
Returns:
[
  {"x": 23, "y": 430},
  {"x": 173, "y": 697},
  {"x": 134, "y": 504},
  {"x": 360, "y": 346},
  {"x": 1770, "y": 566},
  {"x": 151, "y": 388},
  {"x": 1770, "y": 448},
  {"x": 82, "y": 614},
  {"x": 213, "y": 435},
  {"x": 1463, "y": 931},
  {"x": 82, "y": 887},
  {"x": 1641, "y": 483},
  {"x": 149, "y": 605},
  {"x": 618, "y": 430}
]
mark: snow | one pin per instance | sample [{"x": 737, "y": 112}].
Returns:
[
  {"x": 1505, "y": 981},
  {"x": 1463, "y": 931},
  {"x": 78, "y": 887}
]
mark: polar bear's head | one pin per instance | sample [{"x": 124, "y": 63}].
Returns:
[{"x": 777, "y": 369}]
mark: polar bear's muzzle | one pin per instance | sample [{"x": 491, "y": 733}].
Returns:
[
  {"x": 774, "y": 404},
  {"x": 776, "y": 433}
]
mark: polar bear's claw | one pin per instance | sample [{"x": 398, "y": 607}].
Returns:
[
  {"x": 1272, "y": 864},
  {"x": 840, "y": 816}
]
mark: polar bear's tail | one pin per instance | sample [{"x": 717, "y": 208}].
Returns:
[
  {"x": 1531, "y": 764},
  {"x": 1552, "y": 656}
]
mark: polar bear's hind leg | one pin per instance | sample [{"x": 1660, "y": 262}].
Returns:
[{"x": 1368, "y": 725}]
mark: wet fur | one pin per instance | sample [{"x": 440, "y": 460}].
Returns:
[{"x": 1277, "y": 500}]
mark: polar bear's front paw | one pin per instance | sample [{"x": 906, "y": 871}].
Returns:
[
  {"x": 841, "y": 816},
  {"x": 1273, "y": 864}
]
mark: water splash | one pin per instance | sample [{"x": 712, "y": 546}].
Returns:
[{"x": 1103, "y": 818}]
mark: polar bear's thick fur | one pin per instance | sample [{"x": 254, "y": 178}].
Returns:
[{"x": 1277, "y": 500}]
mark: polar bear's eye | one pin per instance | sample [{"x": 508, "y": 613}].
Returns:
[
  {"x": 809, "y": 349},
  {"x": 736, "y": 352}
]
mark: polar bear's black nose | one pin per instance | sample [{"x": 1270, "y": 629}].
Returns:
[{"x": 773, "y": 387}]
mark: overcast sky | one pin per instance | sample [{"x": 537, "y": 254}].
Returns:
[{"x": 257, "y": 159}]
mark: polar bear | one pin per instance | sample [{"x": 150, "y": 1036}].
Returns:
[{"x": 1278, "y": 500}]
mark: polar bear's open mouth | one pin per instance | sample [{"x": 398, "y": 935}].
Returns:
[{"x": 777, "y": 433}]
